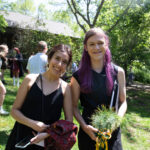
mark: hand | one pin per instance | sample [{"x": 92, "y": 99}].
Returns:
[
  {"x": 39, "y": 126},
  {"x": 38, "y": 137},
  {"x": 90, "y": 130}
]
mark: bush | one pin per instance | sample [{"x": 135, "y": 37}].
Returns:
[
  {"x": 27, "y": 41},
  {"x": 142, "y": 75}
]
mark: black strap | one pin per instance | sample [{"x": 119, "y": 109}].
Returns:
[
  {"x": 115, "y": 91},
  {"x": 42, "y": 103}
]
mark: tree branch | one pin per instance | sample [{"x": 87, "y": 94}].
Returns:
[
  {"x": 75, "y": 14},
  {"x": 97, "y": 13},
  {"x": 87, "y": 9},
  {"x": 124, "y": 13}
]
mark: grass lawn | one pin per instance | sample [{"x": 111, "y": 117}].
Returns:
[{"x": 135, "y": 134}]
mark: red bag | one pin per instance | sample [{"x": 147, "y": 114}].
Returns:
[{"x": 62, "y": 135}]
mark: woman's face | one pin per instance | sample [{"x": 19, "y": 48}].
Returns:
[
  {"x": 96, "y": 47},
  {"x": 58, "y": 63}
]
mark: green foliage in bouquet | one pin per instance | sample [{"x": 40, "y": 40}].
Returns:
[{"x": 105, "y": 119}]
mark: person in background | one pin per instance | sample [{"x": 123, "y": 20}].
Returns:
[
  {"x": 32, "y": 54},
  {"x": 130, "y": 77},
  {"x": 93, "y": 85},
  {"x": 16, "y": 67},
  {"x": 74, "y": 67},
  {"x": 3, "y": 53},
  {"x": 40, "y": 99},
  {"x": 3, "y": 68},
  {"x": 38, "y": 62}
]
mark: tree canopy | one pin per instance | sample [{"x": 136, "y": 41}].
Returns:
[{"x": 127, "y": 22}]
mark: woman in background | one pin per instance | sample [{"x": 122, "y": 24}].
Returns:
[
  {"x": 16, "y": 66},
  {"x": 3, "y": 53}
]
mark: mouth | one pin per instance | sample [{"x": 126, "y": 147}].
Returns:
[
  {"x": 99, "y": 52},
  {"x": 57, "y": 70}
]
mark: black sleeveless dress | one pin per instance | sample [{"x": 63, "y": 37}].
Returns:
[
  {"x": 32, "y": 108},
  {"x": 90, "y": 102}
]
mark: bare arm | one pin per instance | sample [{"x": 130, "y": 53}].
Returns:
[
  {"x": 67, "y": 105},
  {"x": 75, "y": 88},
  {"x": 122, "y": 92},
  {"x": 21, "y": 95}
]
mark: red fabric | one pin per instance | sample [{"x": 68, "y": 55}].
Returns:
[
  {"x": 15, "y": 68},
  {"x": 62, "y": 135}
]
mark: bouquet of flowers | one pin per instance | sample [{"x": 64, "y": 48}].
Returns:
[{"x": 106, "y": 121}]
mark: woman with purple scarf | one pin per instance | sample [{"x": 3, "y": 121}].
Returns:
[{"x": 93, "y": 84}]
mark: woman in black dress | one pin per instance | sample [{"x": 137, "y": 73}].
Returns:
[
  {"x": 93, "y": 84},
  {"x": 40, "y": 100}
]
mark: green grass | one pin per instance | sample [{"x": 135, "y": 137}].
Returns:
[
  {"x": 7, "y": 122},
  {"x": 135, "y": 130},
  {"x": 136, "y": 133}
]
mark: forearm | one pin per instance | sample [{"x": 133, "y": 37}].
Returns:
[
  {"x": 69, "y": 118},
  {"x": 122, "y": 109},
  {"x": 19, "y": 117},
  {"x": 39, "y": 137},
  {"x": 68, "y": 112},
  {"x": 79, "y": 118}
]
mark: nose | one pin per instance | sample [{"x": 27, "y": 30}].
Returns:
[
  {"x": 59, "y": 63},
  {"x": 97, "y": 46}
]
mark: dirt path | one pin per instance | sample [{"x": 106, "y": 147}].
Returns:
[{"x": 139, "y": 87}]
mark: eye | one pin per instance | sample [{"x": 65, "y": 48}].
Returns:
[
  {"x": 57, "y": 58},
  {"x": 65, "y": 62},
  {"x": 100, "y": 43},
  {"x": 91, "y": 44}
]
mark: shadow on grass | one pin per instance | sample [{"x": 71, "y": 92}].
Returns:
[
  {"x": 127, "y": 122},
  {"x": 130, "y": 128},
  {"x": 139, "y": 126},
  {"x": 4, "y": 136},
  {"x": 138, "y": 102},
  {"x": 129, "y": 135}
]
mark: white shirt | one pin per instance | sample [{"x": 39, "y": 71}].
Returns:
[
  {"x": 37, "y": 63},
  {"x": 0, "y": 63}
]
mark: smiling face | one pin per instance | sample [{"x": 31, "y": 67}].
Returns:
[
  {"x": 96, "y": 47},
  {"x": 58, "y": 63}
]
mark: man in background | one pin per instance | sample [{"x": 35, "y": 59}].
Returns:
[{"x": 38, "y": 62}]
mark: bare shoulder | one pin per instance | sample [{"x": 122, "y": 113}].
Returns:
[
  {"x": 120, "y": 71},
  {"x": 121, "y": 76},
  {"x": 30, "y": 79}
]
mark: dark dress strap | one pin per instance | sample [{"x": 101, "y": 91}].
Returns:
[{"x": 41, "y": 81}]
